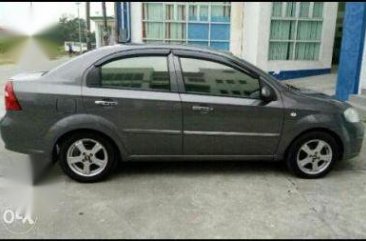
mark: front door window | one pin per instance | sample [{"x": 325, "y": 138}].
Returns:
[{"x": 212, "y": 78}]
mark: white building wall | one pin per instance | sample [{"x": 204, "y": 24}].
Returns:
[
  {"x": 236, "y": 28},
  {"x": 251, "y": 28},
  {"x": 257, "y": 23},
  {"x": 99, "y": 32},
  {"x": 362, "y": 84},
  {"x": 98, "y": 37},
  {"x": 250, "y": 32},
  {"x": 136, "y": 22}
]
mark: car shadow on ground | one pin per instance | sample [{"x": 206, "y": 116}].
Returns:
[
  {"x": 179, "y": 168},
  {"x": 192, "y": 168},
  {"x": 197, "y": 167},
  {"x": 231, "y": 167}
]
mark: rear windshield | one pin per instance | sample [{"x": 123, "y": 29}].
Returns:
[{"x": 75, "y": 67}]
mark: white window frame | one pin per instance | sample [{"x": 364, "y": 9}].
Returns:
[
  {"x": 296, "y": 19},
  {"x": 186, "y": 21}
]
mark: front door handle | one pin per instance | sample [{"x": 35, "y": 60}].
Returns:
[
  {"x": 202, "y": 108},
  {"x": 106, "y": 102}
]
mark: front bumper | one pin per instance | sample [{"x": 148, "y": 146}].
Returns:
[{"x": 353, "y": 144}]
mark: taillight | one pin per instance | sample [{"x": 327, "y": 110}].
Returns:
[{"x": 11, "y": 102}]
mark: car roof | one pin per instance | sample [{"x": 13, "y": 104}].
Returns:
[
  {"x": 130, "y": 46},
  {"x": 71, "y": 68}
]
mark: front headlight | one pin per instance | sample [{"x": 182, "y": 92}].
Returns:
[{"x": 351, "y": 115}]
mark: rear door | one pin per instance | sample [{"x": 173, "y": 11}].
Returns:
[
  {"x": 137, "y": 93},
  {"x": 222, "y": 110}
]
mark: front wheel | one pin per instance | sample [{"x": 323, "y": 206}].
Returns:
[
  {"x": 87, "y": 157},
  {"x": 313, "y": 155}
]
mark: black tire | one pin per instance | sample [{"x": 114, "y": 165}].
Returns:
[
  {"x": 293, "y": 150},
  {"x": 106, "y": 143}
]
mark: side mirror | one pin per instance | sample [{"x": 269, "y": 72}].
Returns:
[{"x": 267, "y": 94}]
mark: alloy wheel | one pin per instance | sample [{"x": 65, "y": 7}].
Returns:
[
  {"x": 87, "y": 157},
  {"x": 314, "y": 156}
]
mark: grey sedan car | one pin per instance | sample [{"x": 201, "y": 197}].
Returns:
[{"x": 167, "y": 102}]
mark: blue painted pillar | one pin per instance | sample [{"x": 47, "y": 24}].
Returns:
[
  {"x": 354, "y": 24},
  {"x": 123, "y": 21}
]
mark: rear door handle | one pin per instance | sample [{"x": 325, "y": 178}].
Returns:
[
  {"x": 202, "y": 108},
  {"x": 106, "y": 102}
]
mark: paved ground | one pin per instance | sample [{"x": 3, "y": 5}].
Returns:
[
  {"x": 325, "y": 83},
  {"x": 196, "y": 200}
]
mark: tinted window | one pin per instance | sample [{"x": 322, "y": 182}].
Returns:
[
  {"x": 217, "y": 79},
  {"x": 145, "y": 73}
]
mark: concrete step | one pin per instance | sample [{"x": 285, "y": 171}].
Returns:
[{"x": 358, "y": 99}]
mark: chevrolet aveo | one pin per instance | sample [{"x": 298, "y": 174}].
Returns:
[{"x": 155, "y": 102}]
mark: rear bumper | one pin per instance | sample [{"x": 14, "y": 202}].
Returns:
[
  {"x": 24, "y": 150},
  {"x": 19, "y": 136}
]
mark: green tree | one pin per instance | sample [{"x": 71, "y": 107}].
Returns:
[{"x": 67, "y": 29}]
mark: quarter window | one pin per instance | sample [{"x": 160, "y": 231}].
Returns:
[
  {"x": 144, "y": 73},
  {"x": 218, "y": 79}
]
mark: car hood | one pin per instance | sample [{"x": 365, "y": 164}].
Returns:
[{"x": 313, "y": 95}]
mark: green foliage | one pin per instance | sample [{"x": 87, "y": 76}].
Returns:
[
  {"x": 10, "y": 47},
  {"x": 52, "y": 49},
  {"x": 66, "y": 30},
  {"x": 8, "y": 43}
]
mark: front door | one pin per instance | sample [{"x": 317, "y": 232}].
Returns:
[{"x": 223, "y": 113}]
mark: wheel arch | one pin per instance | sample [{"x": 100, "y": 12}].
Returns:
[
  {"x": 319, "y": 129},
  {"x": 64, "y": 136},
  {"x": 82, "y": 122}
]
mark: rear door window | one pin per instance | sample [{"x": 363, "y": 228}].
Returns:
[{"x": 139, "y": 73}]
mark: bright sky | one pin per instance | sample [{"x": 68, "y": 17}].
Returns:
[{"x": 17, "y": 15}]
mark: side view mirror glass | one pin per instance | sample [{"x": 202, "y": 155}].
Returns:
[{"x": 267, "y": 94}]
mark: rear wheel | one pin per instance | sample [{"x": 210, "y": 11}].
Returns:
[
  {"x": 313, "y": 155},
  {"x": 87, "y": 157}
]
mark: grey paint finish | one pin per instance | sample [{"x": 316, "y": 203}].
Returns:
[
  {"x": 145, "y": 124},
  {"x": 318, "y": 111},
  {"x": 149, "y": 111},
  {"x": 243, "y": 116}
]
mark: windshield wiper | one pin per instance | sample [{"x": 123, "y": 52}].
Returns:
[{"x": 291, "y": 87}]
